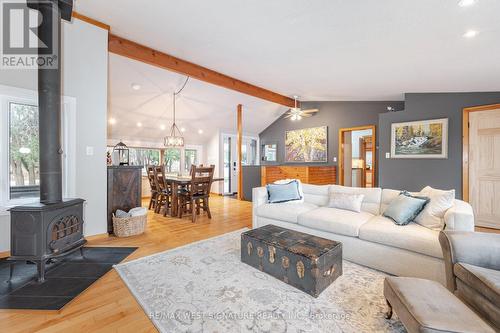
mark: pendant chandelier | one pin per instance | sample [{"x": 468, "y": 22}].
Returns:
[{"x": 175, "y": 139}]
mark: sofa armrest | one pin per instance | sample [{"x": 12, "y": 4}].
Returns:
[
  {"x": 259, "y": 197},
  {"x": 475, "y": 248},
  {"x": 460, "y": 217}
]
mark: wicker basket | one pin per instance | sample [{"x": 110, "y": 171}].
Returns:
[{"x": 129, "y": 226}]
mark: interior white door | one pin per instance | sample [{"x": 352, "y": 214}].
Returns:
[{"x": 484, "y": 167}]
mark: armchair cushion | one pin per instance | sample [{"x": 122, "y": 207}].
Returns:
[
  {"x": 483, "y": 280},
  {"x": 475, "y": 248}
]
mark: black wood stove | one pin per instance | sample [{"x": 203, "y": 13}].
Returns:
[{"x": 53, "y": 227}]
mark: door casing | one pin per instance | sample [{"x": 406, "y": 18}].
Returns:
[
  {"x": 465, "y": 144},
  {"x": 341, "y": 151}
]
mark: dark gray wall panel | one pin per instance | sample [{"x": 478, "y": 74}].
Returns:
[
  {"x": 414, "y": 174},
  {"x": 251, "y": 179}
]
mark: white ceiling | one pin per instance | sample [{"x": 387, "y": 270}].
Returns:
[
  {"x": 199, "y": 106},
  {"x": 322, "y": 49}
]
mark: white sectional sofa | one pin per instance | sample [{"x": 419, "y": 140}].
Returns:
[{"x": 368, "y": 238}]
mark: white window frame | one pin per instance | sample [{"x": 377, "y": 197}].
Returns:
[{"x": 24, "y": 96}]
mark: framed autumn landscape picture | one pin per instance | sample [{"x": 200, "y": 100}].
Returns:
[
  {"x": 420, "y": 139},
  {"x": 307, "y": 145}
]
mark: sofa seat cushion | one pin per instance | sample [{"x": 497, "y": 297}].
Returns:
[
  {"x": 412, "y": 237},
  {"x": 338, "y": 221},
  {"x": 287, "y": 211},
  {"x": 485, "y": 281}
]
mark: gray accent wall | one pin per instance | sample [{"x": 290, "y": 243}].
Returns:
[
  {"x": 414, "y": 174},
  {"x": 251, "y": 179},
  {"x": 335, "y": 115}
]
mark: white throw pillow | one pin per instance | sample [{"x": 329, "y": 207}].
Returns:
[
  {"x": 346, "y": 201},
  {"x": 301, "y": 192},
  {"x": 432, "y": 216},
  {"x": 138, "y": 211}
]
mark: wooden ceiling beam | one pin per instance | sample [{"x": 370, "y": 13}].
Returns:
[
  {"x": 133, "y": 50},
  {"x": 87, "y": 19}
]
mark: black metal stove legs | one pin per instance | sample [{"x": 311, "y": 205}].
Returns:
[{"x": 42, "y": 264}]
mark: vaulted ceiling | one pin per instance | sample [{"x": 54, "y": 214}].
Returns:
[
  {"x": 200, "y": 106},
  {"x": 322, "y": 49}
]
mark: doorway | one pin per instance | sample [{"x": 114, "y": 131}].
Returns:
[
  {"x": 357, "y": 156},
  {"x": 249, "y": 156},
  {"x": 481, "y": 163}
]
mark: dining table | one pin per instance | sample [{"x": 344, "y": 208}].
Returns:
[{"x": 178, "y": 182}]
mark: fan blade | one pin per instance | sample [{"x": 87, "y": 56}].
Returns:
[
  {"x": 287, "y": 116},
  {"x": 310, "y": 111},
  {"x": 306, "y": 115}
]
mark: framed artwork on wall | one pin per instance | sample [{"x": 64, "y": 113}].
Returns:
[
  {"x": 420, "y": 139},
  {"x": 307, "y": 145}
]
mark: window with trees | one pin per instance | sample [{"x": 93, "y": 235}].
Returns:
[
  {"x": 172, "y": 159},
  {"x": 24, "y": 177},
  {"x": 141, "y": 156},
  {"x": 19, "y": 146},
  {"x": 190, "y": 158}
]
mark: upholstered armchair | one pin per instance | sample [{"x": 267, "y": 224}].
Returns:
[{"x": 472, "y": 264}]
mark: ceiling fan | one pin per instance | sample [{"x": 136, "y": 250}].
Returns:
[{"x": 297, "y": 113}]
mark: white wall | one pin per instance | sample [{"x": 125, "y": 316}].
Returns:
[
  {"x": 85, "y": 77},
  {"x": 214, "y": 151}
]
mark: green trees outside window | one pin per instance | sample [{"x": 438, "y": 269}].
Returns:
[
  {"x": 24, "y": 163},
  {"x": 172, "y": 160},
  {"x": 190, "y": 158}
]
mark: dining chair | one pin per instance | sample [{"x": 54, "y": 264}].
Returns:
[
  {"x": 197, "y": 196},
  {"x": 150, "y": 170},
  {"x": 164, "y": 193}
]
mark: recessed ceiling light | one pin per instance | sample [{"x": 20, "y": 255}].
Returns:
[
  {"x": 183, "y": 129},
  {"x": 466, "y": 3},
  {"x": 162, "y": 127},
  {"x": 139, "y": 124},
  {"x": 200, "y": 131},
  {"x": 112, "y": 121},
  {"x": 136, "y": 86},
  {"x": 470, "y": 34}
]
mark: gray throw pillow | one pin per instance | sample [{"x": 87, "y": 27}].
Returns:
[
  {"x": 277, "y": 193},
  {"x": 405, "y": 208}
]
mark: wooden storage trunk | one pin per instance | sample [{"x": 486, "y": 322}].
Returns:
[{"x": 306, "y": 262}]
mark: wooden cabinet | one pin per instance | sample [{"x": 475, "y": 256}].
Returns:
[
  {"x": 124, "y": 190},
  {"x": 318, "y": 175}
]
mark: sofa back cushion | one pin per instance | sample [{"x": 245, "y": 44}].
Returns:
[
  {"x": 346, "y": 201},
  {"x": 316, "y": 194},
  {"x": 387, "y": 196},
  {"x": 371, "y": 200}
]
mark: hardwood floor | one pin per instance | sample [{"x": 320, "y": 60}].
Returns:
[{"x": 108, "y": 306}]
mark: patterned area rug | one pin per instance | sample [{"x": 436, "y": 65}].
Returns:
[{"x": 204, "y": 287}]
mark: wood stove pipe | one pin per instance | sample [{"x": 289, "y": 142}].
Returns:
[{"x": 49, "y": 98}]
